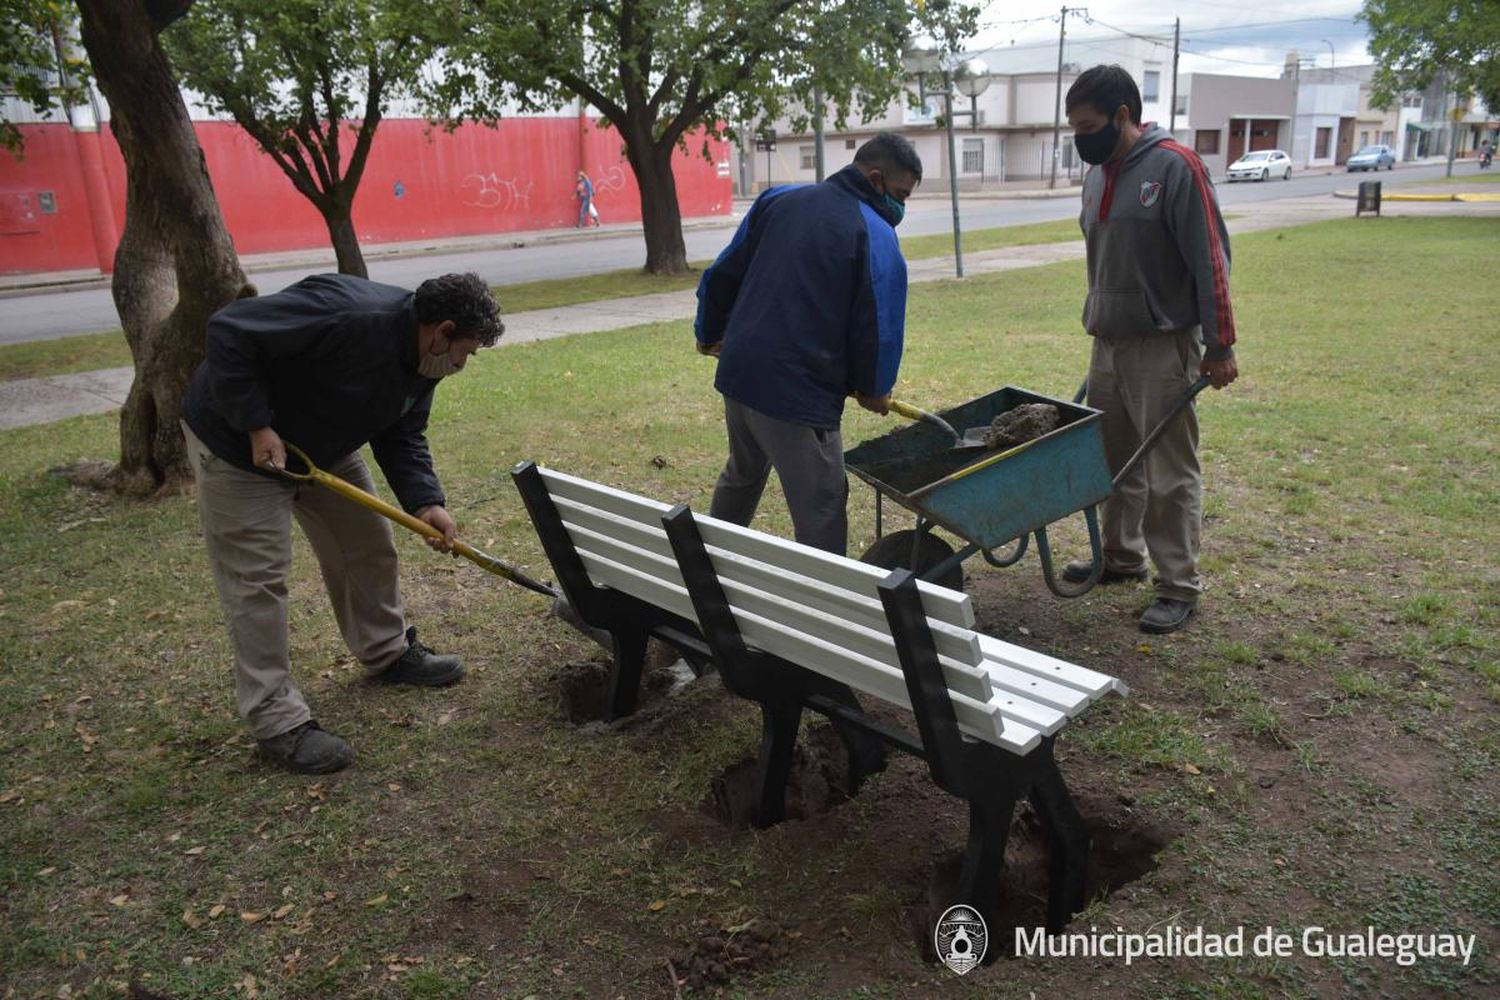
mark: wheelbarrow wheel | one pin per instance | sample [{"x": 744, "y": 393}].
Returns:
[{"x": 894, "y": 551}]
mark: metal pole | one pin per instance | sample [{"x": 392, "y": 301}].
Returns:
[
  {"x": 818, "y": 131},
  {"x": 1176, "y": 43},
  {"x": 1452, "y": 130},
  {"x": 1062, "y": 32},
  {"x": 958, "y": 250}
]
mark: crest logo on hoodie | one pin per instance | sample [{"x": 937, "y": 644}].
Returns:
[{"x": 1150, "y": 192}]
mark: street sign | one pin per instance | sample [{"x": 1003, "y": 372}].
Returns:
[{"x": 765, "y": 142}]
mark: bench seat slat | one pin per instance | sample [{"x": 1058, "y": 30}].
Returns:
[
  {"x": 1068, "y": 701},
  {"x": 779, "y": 613},
  {"x": 1091, "y": 682},
  {"x": 940, "y": 603},
  {"x": 959, "y": 644},
  {"x": 980, "y": 719}
]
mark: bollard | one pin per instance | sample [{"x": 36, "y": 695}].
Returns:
[{"x": 1369, "y": 198}]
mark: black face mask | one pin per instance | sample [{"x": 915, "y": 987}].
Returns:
[{"x": 1096, "y": 147}]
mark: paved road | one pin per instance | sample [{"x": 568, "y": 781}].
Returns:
[{"x": 47, "y": 316}]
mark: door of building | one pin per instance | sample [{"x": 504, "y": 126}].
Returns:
[{"x": 1262, "y": 134}]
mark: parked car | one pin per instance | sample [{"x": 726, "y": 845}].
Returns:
[
  {"x": 1372, "y": 158},
  {"x": 1261, "y": 165}
]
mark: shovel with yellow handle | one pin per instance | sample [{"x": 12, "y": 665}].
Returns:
[{"x": 351, "y": 492}]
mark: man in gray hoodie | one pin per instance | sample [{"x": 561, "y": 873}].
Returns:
[{"x": 1158, "y": 310}]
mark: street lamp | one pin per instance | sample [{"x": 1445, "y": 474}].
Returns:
[{"x": 924, "y": 58}]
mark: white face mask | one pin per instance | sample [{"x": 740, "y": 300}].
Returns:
[{"x": 437, "y": 365}]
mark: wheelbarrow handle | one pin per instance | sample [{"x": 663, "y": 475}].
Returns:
[
  {"x": 1178, "y": 406},
  {"x": 371, "y": 502}
]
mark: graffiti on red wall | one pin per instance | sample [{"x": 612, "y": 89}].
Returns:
[{"x": 419, "y": 183}]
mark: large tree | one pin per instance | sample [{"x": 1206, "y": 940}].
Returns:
[
  {"x": 656, "y": 69},
  {"x": 309, "y": 80},
  {"x": 1414, "y": 41},
  {"x": 175, "y": 264},
  {"x": 35, "y": 65}
]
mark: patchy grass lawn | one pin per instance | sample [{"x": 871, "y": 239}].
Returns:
[{"x": 1320, "y": 748}]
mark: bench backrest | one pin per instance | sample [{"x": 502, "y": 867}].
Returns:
[{"x": 804, "y": 605}]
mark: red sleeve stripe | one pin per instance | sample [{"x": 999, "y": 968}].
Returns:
[
  {"x": 1108, "y": 197},
  {"x": 1224, "y": 312}
]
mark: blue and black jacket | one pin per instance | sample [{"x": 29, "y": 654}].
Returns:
[{"x": 809, "y": 299}]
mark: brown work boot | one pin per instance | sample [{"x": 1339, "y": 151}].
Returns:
[
  {"x": 307, "y": 749},
  {"x": 1078, "y": 571},
  {"x": 1167, "y": 615},
  {"x": 421, "y": 667}
]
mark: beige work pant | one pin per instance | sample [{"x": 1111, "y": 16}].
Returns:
[
  {"x": 1158, "y": 509},
  {"x": 247, "y": 527}
]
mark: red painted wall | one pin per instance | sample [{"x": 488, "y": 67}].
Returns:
[{"x": 419, "y": 183}]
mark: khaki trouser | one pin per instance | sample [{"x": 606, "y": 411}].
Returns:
[
  {"x": 247, "y": 527},
  {"x": 1158, "y": 509}
]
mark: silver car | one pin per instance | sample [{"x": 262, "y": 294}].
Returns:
[
  {"x": 1372, "y": 158},
  {"x": 1261, "y": 165}
]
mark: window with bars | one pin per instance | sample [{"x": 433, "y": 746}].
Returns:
[
  {"x": 1151, "y": 85},
  {"x": 809, "y": 157},
  {"x": 973, "y": 160}
]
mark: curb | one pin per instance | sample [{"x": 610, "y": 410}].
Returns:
[{"x": 309, "y": 257}]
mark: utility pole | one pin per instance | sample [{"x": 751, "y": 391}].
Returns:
[
  {"x": 1062, "y": 33},
  {"x": 818, "y": 131},
  {"x": 1176, "y": 45}
]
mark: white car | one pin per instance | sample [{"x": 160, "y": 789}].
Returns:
[{"x": 1261, "y": 165}]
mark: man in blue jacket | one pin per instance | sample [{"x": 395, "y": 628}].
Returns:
[
  {"x": 805, "y": 307},
  {"x": 330, "y": 364}
]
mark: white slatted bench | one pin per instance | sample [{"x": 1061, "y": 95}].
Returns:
[{"x": 792, "y": 627}]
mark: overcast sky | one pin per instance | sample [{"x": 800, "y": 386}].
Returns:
[{"x": 1240, "y": 39}]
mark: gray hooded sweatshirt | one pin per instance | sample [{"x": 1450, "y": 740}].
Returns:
[{"x": 1158, "y": 251}]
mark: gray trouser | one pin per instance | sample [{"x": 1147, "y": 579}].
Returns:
[
  {"x": 247, "y": 527},
  {"x": 809, "y": 462},
  {"x": 1158, "y": 509}
]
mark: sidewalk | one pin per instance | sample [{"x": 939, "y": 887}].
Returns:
[{"x": 26, "y": 402}]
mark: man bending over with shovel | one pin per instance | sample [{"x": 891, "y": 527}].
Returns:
[
  {"x": 805, "y": 307},
  {"x": 330, "y": 364}
]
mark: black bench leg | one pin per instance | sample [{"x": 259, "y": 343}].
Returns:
[
  {"x": 1069, "y": 847},
  {"x": 778, "y": 745},
  {"x": 625, "y": 674},
  {"x": 984, "y": 856},
  {"x": 866, "y": 750}
]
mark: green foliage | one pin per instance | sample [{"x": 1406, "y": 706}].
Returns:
[
  {"x": 30, "y": 32},
  {"x": 668, "y": 65},
  {"x": 294, "y": 72},
  {"x": 1414, "y": 41}
]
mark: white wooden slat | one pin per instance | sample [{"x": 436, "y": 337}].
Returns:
[
  {"x": 951, "y": 606},
  {"x": 959, "y": 644},
  {"x": 779, "y": 613},
  {"x": 1069, "y": 701},
  {"x": 940, "y": 603},
  {"x": 1018, "y": 708},
  {"x": 983, "y": 720},
  {"x": 1089, "y": 681}
]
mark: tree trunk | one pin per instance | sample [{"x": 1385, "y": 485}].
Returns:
[
  {"x": 175, "y": 264},
  {"x": 661, "y": 217},
  {"x": 338, "y": 216}
]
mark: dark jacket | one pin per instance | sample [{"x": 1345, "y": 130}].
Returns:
[
  {"x": 331, "y": 365},
  {"x": 1158, "y": 250},
  {"x": 809, "y": 299}
]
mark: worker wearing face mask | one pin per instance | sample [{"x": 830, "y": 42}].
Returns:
[
  {"x": 1158, "y": 309},
  {"x": 805, "y": 307},
  {"x": 330, "y": 364}
]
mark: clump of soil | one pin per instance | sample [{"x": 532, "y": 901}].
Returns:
[
  {"x": 1123, "y": 844},
  {"x": 1021, "y": 424},
  {"x": 720, "y": 954},
  {"x": 582, "y": 689},
  {"x": 819, "y": 781}
]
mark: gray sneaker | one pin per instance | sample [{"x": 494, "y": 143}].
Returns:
[{"x": 307, "y": 749}]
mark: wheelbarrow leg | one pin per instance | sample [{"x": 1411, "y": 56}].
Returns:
[{"x": 1096, "y": 550}]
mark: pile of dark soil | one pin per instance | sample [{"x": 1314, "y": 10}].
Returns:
[
  {"x": 819, "y": 781},
  {"x": 1021, "y": 424},
  {"x": 720, "y": 954}
]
